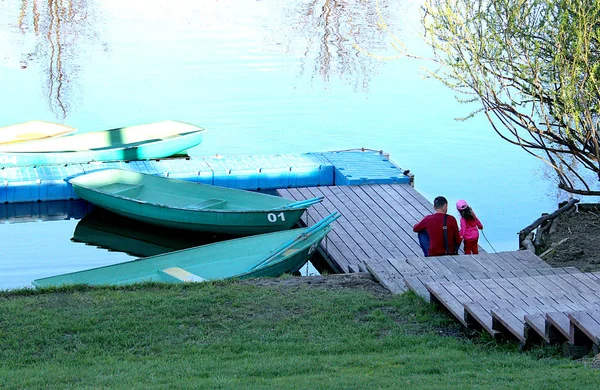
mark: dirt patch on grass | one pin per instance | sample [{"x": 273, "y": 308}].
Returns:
[
  {"x": 357, "y": 281},
  {"x": 576, "y": 240}
]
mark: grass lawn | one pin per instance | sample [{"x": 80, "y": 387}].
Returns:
[{"x": 241, "y": 335}]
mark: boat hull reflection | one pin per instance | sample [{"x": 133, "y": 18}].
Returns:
[{"x": 110, "y": 231}]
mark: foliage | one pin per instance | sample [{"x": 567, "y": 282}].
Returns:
[
  {"x": 238, "y": 335},
  {"x": 533, "y": 66}
]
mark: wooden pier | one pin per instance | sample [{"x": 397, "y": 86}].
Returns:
[
  {"x": 508, "y": 294},
  {"x": 376, "y": 221}
]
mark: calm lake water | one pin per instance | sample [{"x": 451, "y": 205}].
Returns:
[{"x": 269, "y": 76}]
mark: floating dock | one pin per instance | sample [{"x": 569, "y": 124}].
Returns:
[{"x": 251, "y": 172}]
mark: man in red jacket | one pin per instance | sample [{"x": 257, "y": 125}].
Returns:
[{"x": 439, "y": 225}]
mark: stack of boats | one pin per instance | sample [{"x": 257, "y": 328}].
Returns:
[{"x": 270, "y": 245}]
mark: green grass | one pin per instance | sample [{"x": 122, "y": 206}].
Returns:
[{"x": 235, "y": 335}]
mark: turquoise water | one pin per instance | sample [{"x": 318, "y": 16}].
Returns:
[{"x": 268, "y": 76}]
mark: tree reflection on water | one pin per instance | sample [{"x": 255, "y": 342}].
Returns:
[
  {"x": 329, "y": 38},
  {"x": 338, "y": 37},
  {"x": 56, "y": 26}
]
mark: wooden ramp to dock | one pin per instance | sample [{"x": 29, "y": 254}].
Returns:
[
  {"x": 508, "y": 294},
  {"x": 512, "y": 294},
  {"x": 376, "y": 222}
]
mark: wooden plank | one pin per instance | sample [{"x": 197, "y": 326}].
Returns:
[
  {"x": 389, "y": 212},
  {"x": 408, "y": 193},
  {"x": 565, "y": 270},
  {"x": 556, "y": 284},
  {"x": 567, "y": 283},
  {"x": 536, "y": 322},
  {"x": 355, "y": 229},
  {"x": 486, "y": 263},
  {"x": 346, "y": 244},
  {"x": 398, "y": 205},
  {"x": 403, "y": 267},
  {"x": 421, "y": 264},
  {"x": 533, "y": 288},
  {"x": 398, "y": 231},
  {"x": 516, "y": 323},
  {"x": 520, "y": 285},
  {"x": 588, "y": 280},
  {"x": 414, "y": 210},
  {"x": 467, "y": 261},
  {"x": 573, "y": 303},
  {"x": 526, "y": 256},
  {"x": 557, "y": 326},
  {"x": 473, "y": 294},
  {"x": 377, "y": 239},
  {"x": 382, "y": 227},
  {"x": 510, "y": 259},
  {"x": 497, "y": 262},
  {"x": 507, "y": 322},
  {"x": 417, "y": 284},
  {"x": 353, "y": 240},
  {"x": 386, "y": 278},
  {"x": 508, "y": 288},
  {"x": 513, "y": 273},
  {"x": 523, "y": 261},
  {"x": 459, "y": 294},
  {"x": 435, "y": 265},
  {"x": 588, "y": 323},
  {"x": 393, "y": 273},
  {"x": 494, "y": 288},
  {"x": 475, "y": 312},
  {"x": 453, "y": 265},
  {"x": 484, "y": 290},
  {"x": 536, "y": 315},
  {"x": 440, "y": 294},
  {"x": 519, "y": 273}
]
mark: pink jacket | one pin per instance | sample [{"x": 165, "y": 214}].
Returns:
[{"x": 468, "y": 229}]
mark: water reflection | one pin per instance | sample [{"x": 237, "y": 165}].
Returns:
[
  {"x": 334, "y": 30},
  {"x": 110, "y": 231},
  {"x": 57, "y": 210},
  {"x": 57, "y": 26}
]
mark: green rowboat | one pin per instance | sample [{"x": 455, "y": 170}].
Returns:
[
  {"x": 142, "y": 142},
  {"x": 185, "y": 205},
  {"x": 271, "y": 254}
]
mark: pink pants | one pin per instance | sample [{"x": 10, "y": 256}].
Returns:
[{"x": 471, "y": 247}]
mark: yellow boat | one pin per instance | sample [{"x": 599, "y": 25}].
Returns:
[{"x": 32, "y": 130}]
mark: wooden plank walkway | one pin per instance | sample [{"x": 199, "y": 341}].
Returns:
[
  {"x": 508, "y": 294},
  {"x": 376, "y": 221}
]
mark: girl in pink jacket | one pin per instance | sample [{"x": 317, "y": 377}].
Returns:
[{"x": 469, "y": 223}]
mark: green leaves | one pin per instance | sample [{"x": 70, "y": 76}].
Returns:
[{"x": 533, "y": 66}]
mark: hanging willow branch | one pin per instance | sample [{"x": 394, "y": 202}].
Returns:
[{"x": 534, "y": 66}]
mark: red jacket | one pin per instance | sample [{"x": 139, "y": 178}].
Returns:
[{"x": 434, "y": 225}]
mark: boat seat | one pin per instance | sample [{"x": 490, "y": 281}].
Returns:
[
  {"x": 181, "y": 275},
  {"x": 213, "y": 203},
  {"x": 128, "y": 190}
]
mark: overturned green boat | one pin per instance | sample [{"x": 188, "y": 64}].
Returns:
[
  {"x": 141, "y": 142},
  {"x": 271, "y": 254},
  {"x": 185, "y": 205}
]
